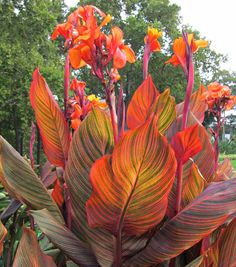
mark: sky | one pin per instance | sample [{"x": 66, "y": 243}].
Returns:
[{"x": 214, "y": 19}]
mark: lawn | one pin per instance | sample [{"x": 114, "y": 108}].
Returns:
[{"x": 232, "y": 157}]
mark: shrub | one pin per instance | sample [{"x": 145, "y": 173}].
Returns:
[{"x": 135, "y": 188}]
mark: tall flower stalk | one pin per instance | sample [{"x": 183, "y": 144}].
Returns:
[
  {"x": 219, "y": 99},
  {"x": 183, "y": 49},
  {"x": 151, "y": 45}
]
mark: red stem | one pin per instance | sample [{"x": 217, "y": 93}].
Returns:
[
  {"x": 189, "y": 90},
  {"x": 146, "y": 57},
  {"x": 110, "y": 98},
  {"x": 66, "y": 83},
  {"x": 112, "y": 109},
  {"x": 121, "y": 114}
]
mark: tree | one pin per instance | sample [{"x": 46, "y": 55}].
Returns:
[
  {"x": 25, "y": 44},
  {"x": 137, "y": 16}
]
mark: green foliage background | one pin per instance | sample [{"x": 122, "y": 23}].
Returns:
[{"x": 26, "y": 26}]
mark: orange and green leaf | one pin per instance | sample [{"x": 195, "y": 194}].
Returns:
[
  {"x": 196, "y": 221},
  {"x": 29, "y": 252},
  {"x": 224, "y": 171},
  {"x": 141, "y": 102},
  {"x": 54, "y": 130},
  {"x": 22, "y": 183},
  {"x": 194, "y": 185},
  {"x": 131, "y": 187},
  {"x": 92, "y": 140},
  {"x": 164, "y": 108}
]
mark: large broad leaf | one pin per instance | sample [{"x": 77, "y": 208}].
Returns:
[
  {"x": 198, "y": 105},
  {"x": 29, "y": 253},
  {"x": 227, "y": 245},
  {"x": 194, "y": 185},
  {"x": 3, "y": 232},
  {"x": 54, "y": 130},
  {"x": 64, "y": 239},
  {"x": 196, "y": 221},
  {"x": 141, "y": 102},
  {"x": 92, "y": 140},
  {"x": 131, "y": 187},
  {"x": 22, "y": 183},
  {"x": 164, "y": 108}
]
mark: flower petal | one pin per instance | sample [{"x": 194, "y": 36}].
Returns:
[
  {"x": 130, "y": 56},
  {"x": 119, "y": 59}
]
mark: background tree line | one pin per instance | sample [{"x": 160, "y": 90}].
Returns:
[{"x": 26, "y": 26}]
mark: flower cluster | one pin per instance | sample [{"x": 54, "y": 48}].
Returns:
[
  {"x": 88, "y": 45},
  {"x": 81, "y": 104},
  {"x": 219, "y": 97}
]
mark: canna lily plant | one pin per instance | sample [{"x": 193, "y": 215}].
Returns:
[{"x": 121, "y": 188}]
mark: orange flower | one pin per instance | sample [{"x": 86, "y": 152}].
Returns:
[
  {"x": 81, "y": 32},
  {"x": 82, "y": 104},
  {"x": 151, "y": 39},
  {"x": 121, "y": 53},
  {"x": 151, "y": 45},
  {"x": 64, "y": 30},
  {"x": 179, "y": 49},
  {"x": 114, "y": 75},
  {"x": 219, "y": 96},
  {"x": 77, "y": 85}
]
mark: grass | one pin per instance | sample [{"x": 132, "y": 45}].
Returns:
[{"x": 232, "y": 157}]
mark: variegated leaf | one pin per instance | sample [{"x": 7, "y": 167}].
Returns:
[
  {"x": 54, "y": 130},
  {"x": 22, "y": 183},
  {"x": 131, "y": 186},
  {"x": 29, "y": 252},
  {"x": 196, "y": 221},
  {"x": 64, "y": 239}
]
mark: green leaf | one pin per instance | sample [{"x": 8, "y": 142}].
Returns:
[{"x": 22, "y": 183}]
